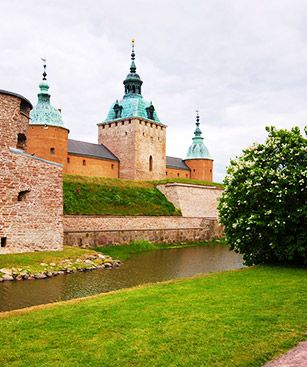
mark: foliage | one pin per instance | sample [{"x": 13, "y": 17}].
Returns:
[
  {"x": 123, "y": 252},
  {"x": 101, "y": 196},
  {"x": 263, "y": 207},
  {"x": 218, "y": 320}
]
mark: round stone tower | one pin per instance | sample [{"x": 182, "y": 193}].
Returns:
[
  {"x": 47, "y": 136},
  {"x": 198, "y": 157}
]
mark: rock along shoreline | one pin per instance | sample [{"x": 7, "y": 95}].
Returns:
[{"x": 65, "y": 266}]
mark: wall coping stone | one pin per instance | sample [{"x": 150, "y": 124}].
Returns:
[
  {"x": 21, "y": 152},
  {"x": 134, "y": 230},
  {"x": 131, "y": 216},
  {"x": 171, "y": 184}
]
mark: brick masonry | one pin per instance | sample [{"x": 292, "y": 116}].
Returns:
[
  {"x": 90, "y": 231},
  {"x": 31, "y": 198},
  {"x": 193, "y": 200}
]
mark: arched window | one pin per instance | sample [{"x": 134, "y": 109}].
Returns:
[
  {"x": 21, "y": 141},
  {"x": 150, "y": 163}
]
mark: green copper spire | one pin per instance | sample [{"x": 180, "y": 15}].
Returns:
[
  {"x": 133, "y": 82},
  {"x": 44, "y": 113},
  {"x": 198, "y": 150},
  {"x": 132, "y": 104}
]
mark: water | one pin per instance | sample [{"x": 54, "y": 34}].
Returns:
[{"x": 148, "y": 267}]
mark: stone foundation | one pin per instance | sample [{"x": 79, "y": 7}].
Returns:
[{"x": 100, "y": 231}]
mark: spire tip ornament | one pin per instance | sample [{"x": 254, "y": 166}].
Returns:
[{"x": 44, "y": 60}]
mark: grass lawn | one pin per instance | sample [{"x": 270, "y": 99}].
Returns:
[
  {"x": 34, "y": 259},
  {"x": 102, "y": 196},
  {"x": 123, "y": 252},
  {"x": 238, "y": 318}
]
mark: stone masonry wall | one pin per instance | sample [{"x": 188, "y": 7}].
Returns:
[
  {"x": 12, "y": 120},
  {"x": 97, "y": 231},
  {"x": 31, "y": 203},
  {"x": 193, "y": 200},
  {"x": 91, "y": 231},
  {"x": 133, "y": 141}
]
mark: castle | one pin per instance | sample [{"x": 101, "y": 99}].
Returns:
[
  {"x": 35, "y": 152},
  {"x": 131, "y": 140}
]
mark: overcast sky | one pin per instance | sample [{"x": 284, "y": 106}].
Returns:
[{"x": 241, "y": 63}]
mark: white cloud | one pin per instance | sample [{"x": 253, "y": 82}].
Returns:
[{"x": 241, "y": 63}]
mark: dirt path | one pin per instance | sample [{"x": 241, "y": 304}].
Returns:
[{"x": 296, "y": 357}]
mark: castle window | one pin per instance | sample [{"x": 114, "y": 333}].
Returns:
[
  {"x": 123, "y": 123},
  {"x": 126, "y": 133},
  {"x": 178, "y": 174},
  {"x": 84, "y": 162},
  {"x": 3, "y": 241},
  {"x": 187, "y": 176},
  {"x": 24, "y": 107},
  {"x": 52, "y": 151},
  {"x": 194, "y": 170},
  {"x": 150, "y": 163},
  {"x": 150, "y": 112},
  {"x": 68, "y": 160},
  {"x": 21, "y": 141},
  {"x": 166, "y": 173},
  {"x": 112, "y": 166},
  {"x": 22, "y": 195}
]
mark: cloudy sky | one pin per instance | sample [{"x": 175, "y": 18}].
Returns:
[{"x": 241, "y": 63}]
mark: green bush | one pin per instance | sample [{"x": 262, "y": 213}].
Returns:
[{"x": 263, "y": 207}]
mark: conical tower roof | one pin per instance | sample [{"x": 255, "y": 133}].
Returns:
[
  {"x": 44, "y": 113},
  {"x": 198, "y": 150}
]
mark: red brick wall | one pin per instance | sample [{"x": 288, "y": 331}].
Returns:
[
  {"x": 201, "y": 169},
  {"x": 175, "y": 172}
]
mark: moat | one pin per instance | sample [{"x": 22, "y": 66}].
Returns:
[{"x": 148, "y": 267}]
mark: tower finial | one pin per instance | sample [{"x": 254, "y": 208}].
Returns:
[
  {"x": 197, "y": 131},
  {"x": 44, "y": 65},
  {"x": 132, "y": 66},
  {"x": 197, "y": 117}
]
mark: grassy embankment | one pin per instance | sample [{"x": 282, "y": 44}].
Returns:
[
  {"x": 32, "y": 260},
  {"x": 238, "y": 318},
  {"x": 123, "y": 252},
  {"x": 104, "y": 196}
]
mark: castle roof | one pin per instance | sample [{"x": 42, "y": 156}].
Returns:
[
  {"x": 197, "y": 149},
  {"x": 173, "y": 162},
  {"x": 90, "y": 150},
  {"x": 44, "y": 113},
  {"x": 132, "y": 104}
]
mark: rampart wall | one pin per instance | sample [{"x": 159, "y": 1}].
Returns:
[{"x": 193, "y": 200}]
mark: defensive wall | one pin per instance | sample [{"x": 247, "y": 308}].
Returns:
[{"x": 198, "y": 223}]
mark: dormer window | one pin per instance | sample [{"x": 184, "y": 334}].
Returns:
[
  {"x": 150, "y": 112},
  {"x": 118, "y": 110}
]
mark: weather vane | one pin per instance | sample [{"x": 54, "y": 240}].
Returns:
[{"x": 44, "y": 59}]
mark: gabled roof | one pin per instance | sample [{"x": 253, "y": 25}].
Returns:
[
  {"x": 90, "y": 150},
  {"x": 174, "y": 162}
]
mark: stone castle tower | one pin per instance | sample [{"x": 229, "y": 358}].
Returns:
[
  {"x": 133, "y": 132},
  {"x": 47, "y": 136},
  {"x": 198, "y": 157}
]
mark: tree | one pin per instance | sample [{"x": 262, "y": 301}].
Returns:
[{"x": 264, "y": 205}]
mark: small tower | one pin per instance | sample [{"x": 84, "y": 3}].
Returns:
[
  {"x": 134, "y": 133},
  {"x": 47, "y": 136},
  {"x": 198, "y": 158}
]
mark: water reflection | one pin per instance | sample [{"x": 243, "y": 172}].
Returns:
[{"x": 153, "y": 266}]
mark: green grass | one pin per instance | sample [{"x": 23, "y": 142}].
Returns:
[
  {"x": 238, "y": 318},
  {"x": 123, "y": 252},
  {"x": 34, "y": 259},
  {"x": 102, "y": 196}
]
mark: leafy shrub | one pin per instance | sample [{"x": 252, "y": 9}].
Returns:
[{"x": 263, "y": 207}]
